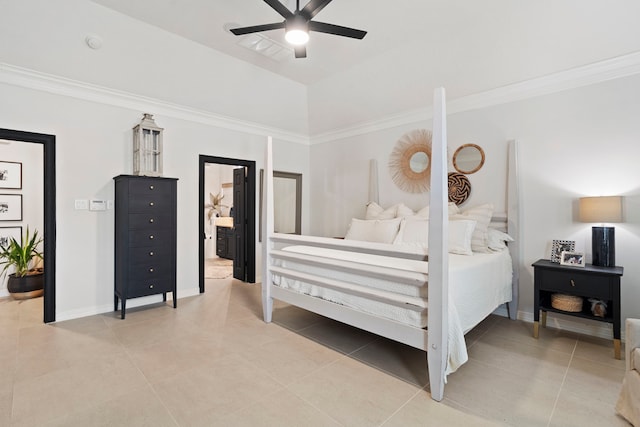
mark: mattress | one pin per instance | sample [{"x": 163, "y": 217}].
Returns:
[{"x": 478, "y": 284}]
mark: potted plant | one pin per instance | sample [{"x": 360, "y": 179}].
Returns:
[{"x": 26, "y": 281}]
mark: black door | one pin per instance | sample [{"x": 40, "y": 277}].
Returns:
[{"x": 240, "y": 222}]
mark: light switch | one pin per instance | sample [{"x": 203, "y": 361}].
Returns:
[
  {"x": 81, "y": 204},
  {"x": 97, "y": 205}
]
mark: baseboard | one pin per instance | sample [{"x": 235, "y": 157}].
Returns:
[
  {"x": 569, "y": 323},
  {"x": 131, "y": 303}
]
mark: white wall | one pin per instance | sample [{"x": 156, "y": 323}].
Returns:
[
  {"x": 580, "y": 142},
  {"x": 31, "y": 156},
  {"x": 143, "y": 60},
  {"x": 93, "y": 144},
  {"x": 208, "y": 103},
  {"x": 538, "y": 38}
]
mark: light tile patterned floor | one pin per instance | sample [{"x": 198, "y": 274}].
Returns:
[{"x": 213, "y": 361}]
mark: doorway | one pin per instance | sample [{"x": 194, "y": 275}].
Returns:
[
  {"x": 49, "y": 232},
  {"x": 241, "y": 239}
]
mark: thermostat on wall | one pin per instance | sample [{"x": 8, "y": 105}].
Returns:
[{"x": 97, "y": 205}]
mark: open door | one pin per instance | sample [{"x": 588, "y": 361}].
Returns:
[
  {"x": 246, "y": 248},
  {"x": 240, "y": 222}
]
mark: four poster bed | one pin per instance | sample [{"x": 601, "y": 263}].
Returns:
[{"x": 427, "y": 301}]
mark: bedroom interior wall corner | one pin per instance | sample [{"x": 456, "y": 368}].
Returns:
[
  {"x": 557, "y": 133},
  {"x": 602, "y": 71}
]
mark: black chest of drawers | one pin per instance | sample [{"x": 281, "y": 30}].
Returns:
[
  {"x": 225, "y": 237},
  {"x": 145, "y": 238}
]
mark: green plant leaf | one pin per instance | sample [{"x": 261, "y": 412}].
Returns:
[{"x": 21, "y": 255}]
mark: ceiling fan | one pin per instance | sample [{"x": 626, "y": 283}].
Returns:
[{"x": 298, "y": 24}]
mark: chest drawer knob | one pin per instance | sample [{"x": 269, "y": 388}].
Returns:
[
  {"x": 151, "y": 237},
  {"x": 150, "y": 203},
  {"x": 573, "y": 283},
  {"x": 150, "y": 286},
  {"x": 151, "y": 220},
  {"x": 151, "y": 270},
  {"x": 151, "y": 187},
  {"x": 151, "y": 253}
]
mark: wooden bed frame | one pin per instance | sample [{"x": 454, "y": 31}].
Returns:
[{"x": 433, "y": 339}]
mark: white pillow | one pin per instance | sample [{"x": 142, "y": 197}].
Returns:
[
  {"x": 415, "y": 232},
  {"x": 451, "y": 207},
  {"x": 376, "y": 230},
  {"x": 375, "y": 211},
  {"x": 404, "y": 211},
  {"x": 498, "y": 240},
  {"x": 482, "y": 215},
  {"x": 460, "y": 235}
]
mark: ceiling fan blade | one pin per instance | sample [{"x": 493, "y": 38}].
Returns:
[
  {"x": 256, "y": 28},
  {"x": 301, "y": 51},
  {"x": 280, "y": 8},
  {"x": 313, "y": 7},
  {"x": 323, "y": 27}
]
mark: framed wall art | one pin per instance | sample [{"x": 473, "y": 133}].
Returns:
[
  {"x": 575, "y": 259},
  {"x": 7, "y": 233},
  {"x": 561, "y": 245},
  {"x": 10, "y": 207},
  {"x": 11, "y": 175}
]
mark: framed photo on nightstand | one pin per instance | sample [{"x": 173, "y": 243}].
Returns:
[
  {"x": 574, "y": 259},
  {"x": 561, "y": 245}
]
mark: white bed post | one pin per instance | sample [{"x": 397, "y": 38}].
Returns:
[
  {"x": 438, "y": 317},
  {"x": 267, "y": 232},
  {"x": 373, "y": 181},
  {"x": 514, "y": 224}
]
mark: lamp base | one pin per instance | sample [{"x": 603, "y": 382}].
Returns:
[{"x": 603, "y": 246}]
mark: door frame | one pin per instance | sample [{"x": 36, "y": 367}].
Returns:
[
  {"x": 251, "y": 213},
  {"x": 49, "y": 164}
]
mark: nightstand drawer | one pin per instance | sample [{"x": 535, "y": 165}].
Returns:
[{"x": 576, "y": 283}]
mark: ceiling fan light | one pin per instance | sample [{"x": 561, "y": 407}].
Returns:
[{"x": 297, "y": 37}]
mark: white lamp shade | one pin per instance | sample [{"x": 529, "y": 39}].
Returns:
[{"x": 601, "y": 209}]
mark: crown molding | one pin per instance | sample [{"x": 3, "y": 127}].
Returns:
[
  {"x": 601, "y": 71},
  {"x": 597, "y": 72},
  {"x": 30, "y": 79}
]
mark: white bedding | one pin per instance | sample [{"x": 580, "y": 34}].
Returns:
[{"x": 478, "y": 284}]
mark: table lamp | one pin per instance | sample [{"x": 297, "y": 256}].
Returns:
[{"x": 603, "y": 210}]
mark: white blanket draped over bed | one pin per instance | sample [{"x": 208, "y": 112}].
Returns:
[{"x": 477, "y": 285}]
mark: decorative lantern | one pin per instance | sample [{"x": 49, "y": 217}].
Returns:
[{"x": 147, "y": 147}]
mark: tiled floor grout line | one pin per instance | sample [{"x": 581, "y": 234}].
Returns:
[
  {"x": 153, "y": 389},
  {"x": 313, "y": 405},
  {"x": 564, "y": 377},
  {"x": 404, "y": 408},
  {"x": 424, "y": 389}
]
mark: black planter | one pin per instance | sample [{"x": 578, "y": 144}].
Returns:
[{"x": 25, "y": 287}]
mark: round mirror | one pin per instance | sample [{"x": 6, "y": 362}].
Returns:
[
  {"x": 468, "y": 158},
  {"x": 419, "y": 162},
  {"x": 409, "y": 162}
]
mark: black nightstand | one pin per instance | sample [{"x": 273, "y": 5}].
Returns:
[{"x": 587, "y": 282}]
